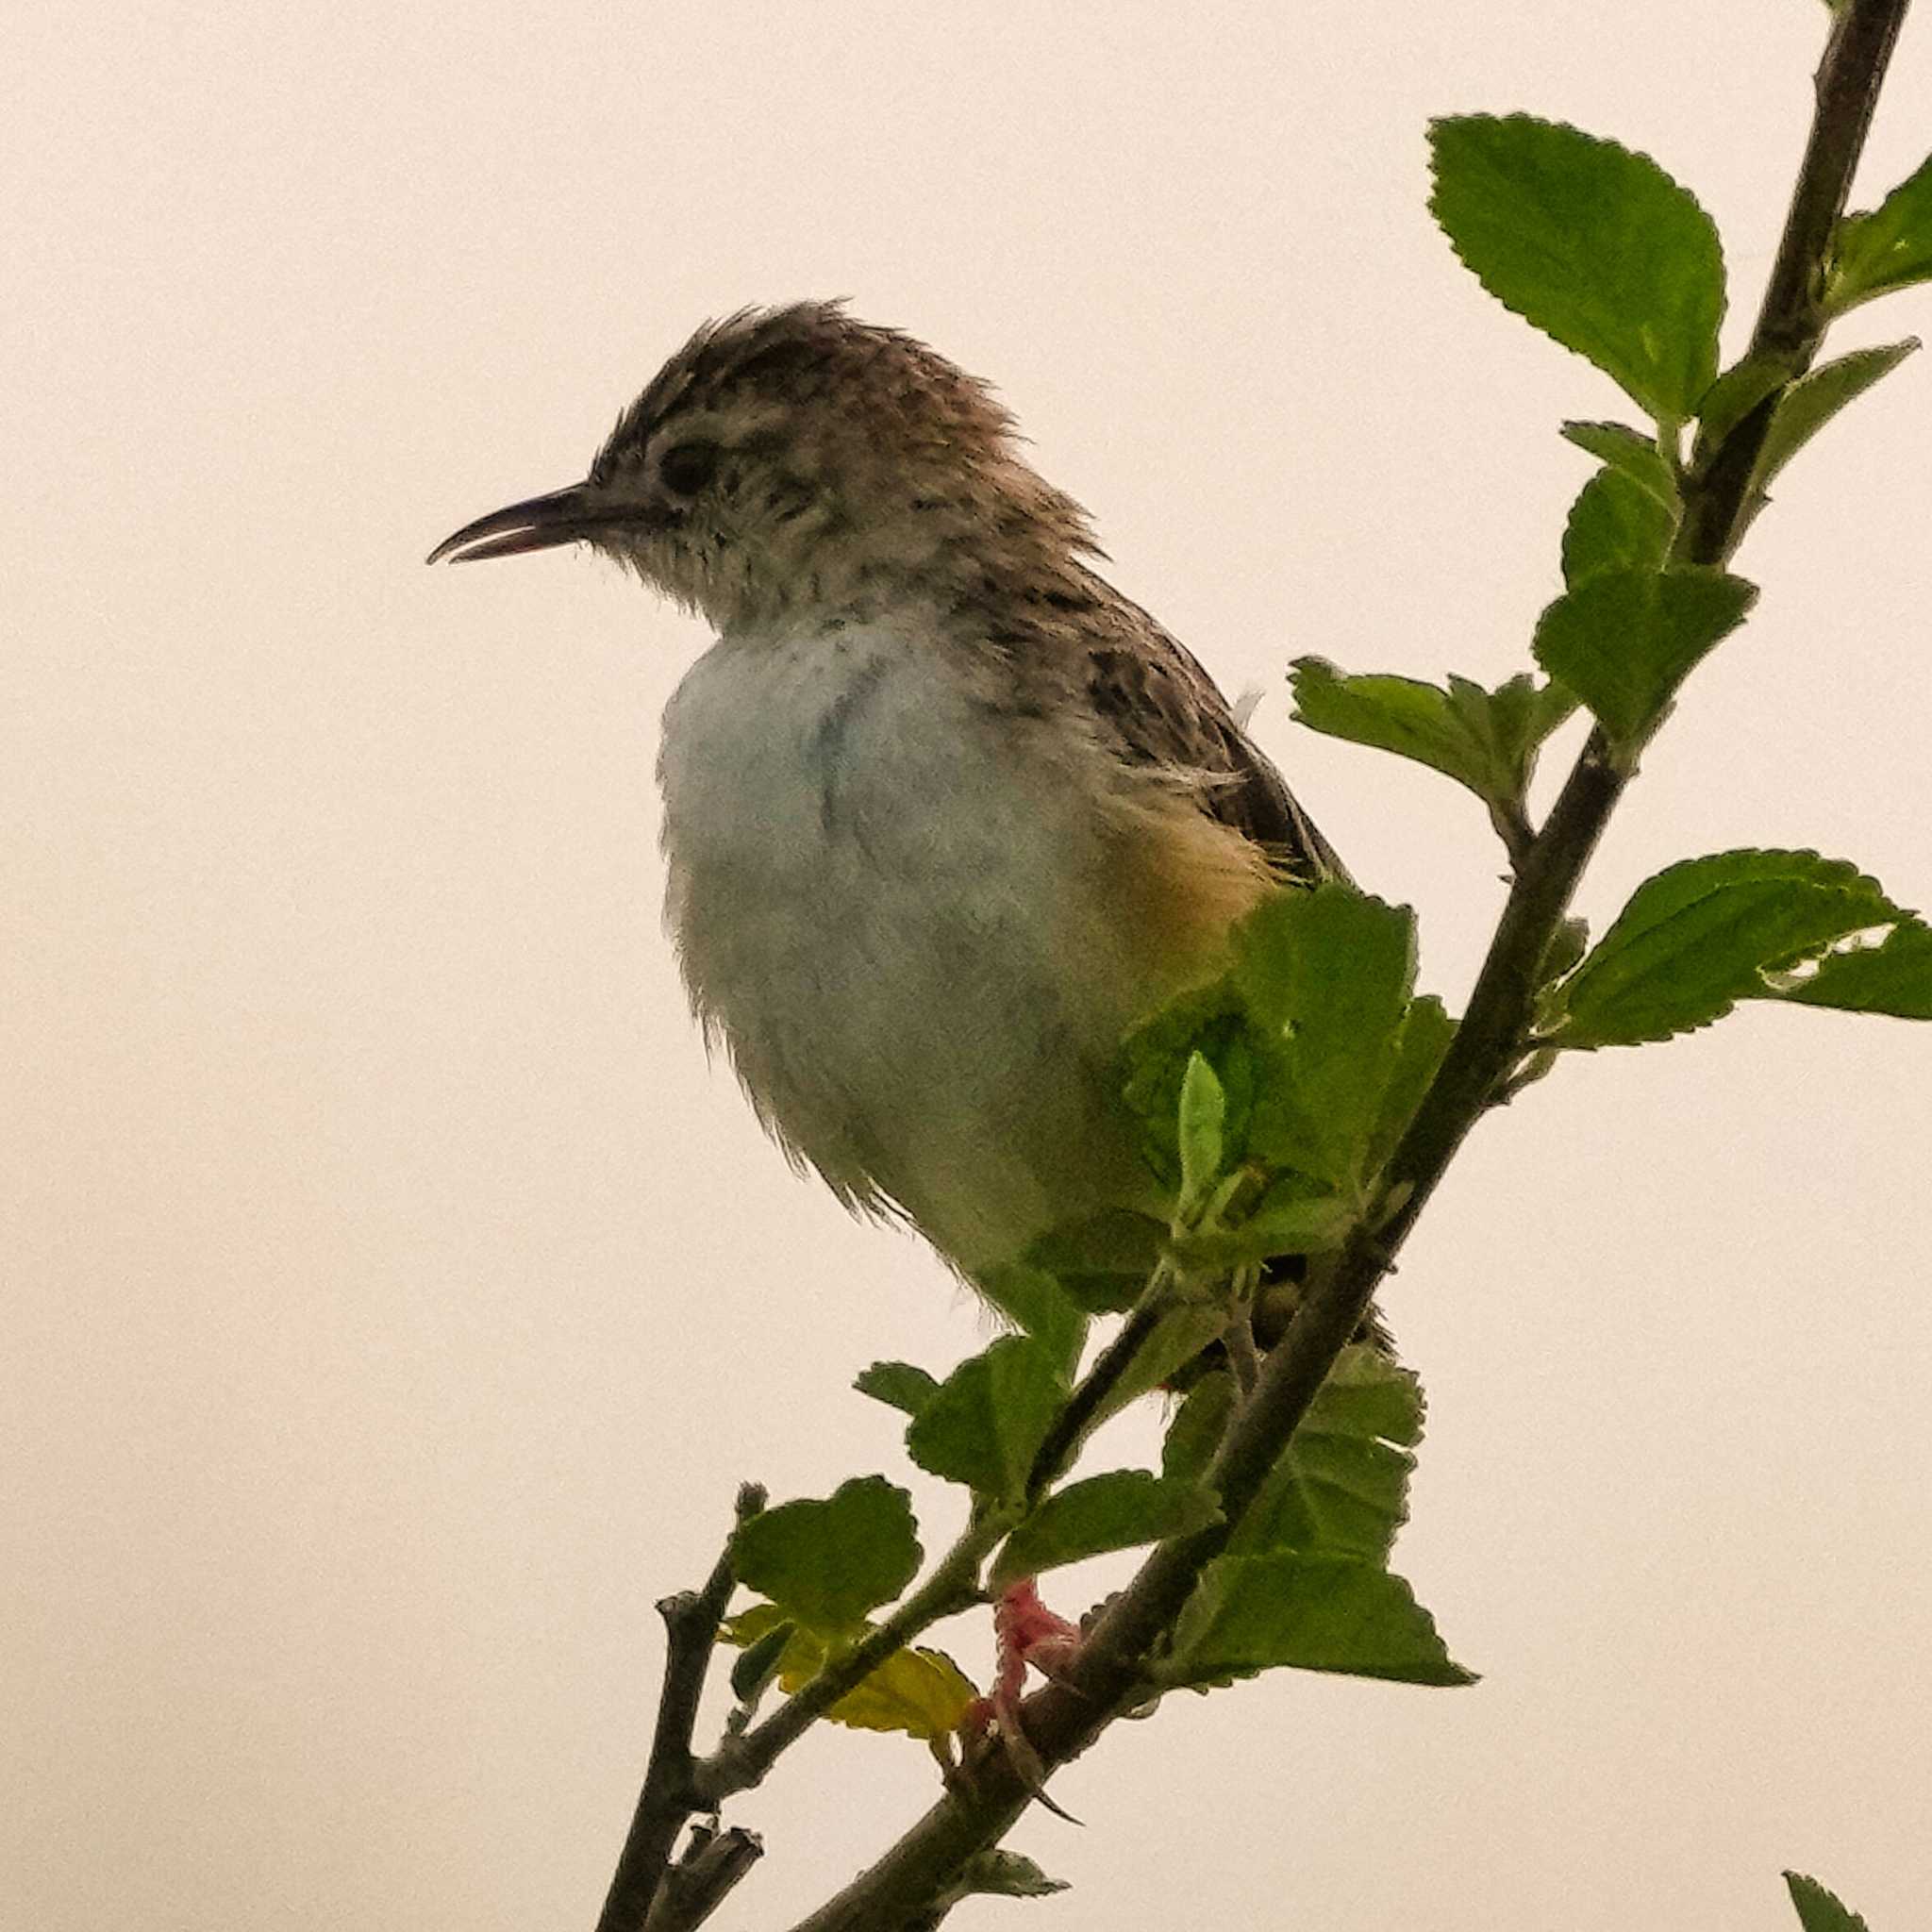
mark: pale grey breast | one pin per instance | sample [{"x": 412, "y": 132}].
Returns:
[{"x": 891, "y": 900}]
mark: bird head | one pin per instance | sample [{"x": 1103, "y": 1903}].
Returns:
[{"x": 798, "y": 459}]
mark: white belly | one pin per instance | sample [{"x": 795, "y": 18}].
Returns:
[{"x": 891, "y": 906}]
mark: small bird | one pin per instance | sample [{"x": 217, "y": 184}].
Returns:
[{"x": 944, "y": 813}]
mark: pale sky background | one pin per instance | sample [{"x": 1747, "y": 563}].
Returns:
[{"x": 392, "y": 1295}]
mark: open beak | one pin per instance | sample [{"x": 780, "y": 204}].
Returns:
[{"x": 541, "y": 523}]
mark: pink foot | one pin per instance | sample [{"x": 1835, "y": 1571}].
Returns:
[{"x": 1025, "y": 1633}]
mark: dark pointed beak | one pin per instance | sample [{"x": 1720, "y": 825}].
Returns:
[{"x": 565, "y": 516}]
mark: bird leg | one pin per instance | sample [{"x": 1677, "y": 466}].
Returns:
[{"x": 1025, "y": 1633}]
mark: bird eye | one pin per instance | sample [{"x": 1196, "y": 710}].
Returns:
[{"x": 687, "y": 467}]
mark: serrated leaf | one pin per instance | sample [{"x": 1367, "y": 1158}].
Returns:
[
  {"x": 1615, "y": 525},
  {"x": 1326, "y": 976},
  {"x": 1484, "y": 740},
  {"x": 1625, "y": 640},
  {"x": 1197, "y": 1428},
  {"x": 1035, "y": 1300},
  {"x": 1341, "y": 1486},
  {"x": 1703, "y": 934},
  {"x": 1591, "y": 243},
  {"x": 1814, "y": 399},
  {"x": 1118, "y": 1511},
  {"x": 1820, "y": 1911},
  {"x": 1893, "y": 977},
  {"x": 1890, "y": 247},
  {"x": 1306, "y": 1613},
  {"x": 1400, "y": 714},
  {"x": 987, "y": 1420},
  {"x": 826, "y": 1563},
  {"x": 1512, "y": 721},
  {"x": 898, "y": 1385},
  {"x": 1628, "y": 450},
  {"x": 922, "y": 1693},
  {"x": 1203, "y": 1115}
]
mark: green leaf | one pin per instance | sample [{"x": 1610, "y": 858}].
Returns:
[
  {"x": 1102, "y": 1263},
  {"x": 1893, "y": 977},
  {"x": 1399, "y": 714},
  {"x": 1733, "y": 396},
  {"x": 1118, "y": 1511},
  {"x": 1290, "y": 1219},
  {"x": 1426, "y": 1032},
  {"x": 826, "y": 1563},
  {"x": 1001, "y": 1874},
  {"x": 1037, "y": 1302},
  {"x": 1178, "y": 1336},
  {"x": 1615, "y": 525},
  {"x": 1312, "y": 1613},
  {"x": 1197, "y": 1428},
  {"x": 1628, "y": 450},
  {"x": 1890, "y": 247},
  {"x": 1707, "y": 932},
  {"x": 1154, "y": 1064},
  {"x": 898, "y": 1385},
  {"x": 1202, "y": 1116},
  {"x": 922, "y": 1693},
  {"x": 1486, "y": 740},
  {"x": 1512, "y": 721},
  {"x": 1567, "y": 946},
  {"x": 1818, "y": 1910},
  {"x": 754, "y": 1624},
  {"x": 1326, "y": 973},
  {"x": 756, "y": 1668},
  {"x": 1342, "y": 1487},
  {"x": 1813, "y": 400},
  {"x": 989, "y": 1417},
  {"x": 1625, "y": 640},
  {"x": 1591, "y": 243}
]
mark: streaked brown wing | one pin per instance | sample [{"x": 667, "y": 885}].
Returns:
[{"x": 1167, "y": 710}]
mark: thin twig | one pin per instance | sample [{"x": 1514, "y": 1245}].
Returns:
[
  {"x": 1791, "y": 319},
  {"x": 667, "y": 1802},
  {"x": 1077, "y": 1413},
  {"x": 741, "y": 1762},
  {"x": 1061, "y": 1719}
]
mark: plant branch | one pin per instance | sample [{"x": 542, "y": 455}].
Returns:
[
  {"x": 695, "y": 1887},
  {"x": 1849, "y": 74},
  {"x": 1062, "y": 1719},
  {"x": 667, "y": 1801},
  {"x": 1792, "y": 319},
  {"x": 1076, "y": 1414},
  {"x": 741, "y": 1762}
]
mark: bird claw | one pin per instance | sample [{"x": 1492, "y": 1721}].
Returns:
[{"x": 1025, "y": 1633}]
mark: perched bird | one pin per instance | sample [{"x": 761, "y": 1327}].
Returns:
[{"x": 944, "y": 813}]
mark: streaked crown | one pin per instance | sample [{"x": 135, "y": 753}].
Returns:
[{"x": 792, "y": 460}]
